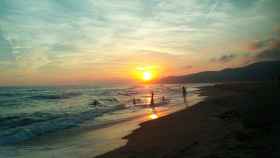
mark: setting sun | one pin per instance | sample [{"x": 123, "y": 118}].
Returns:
[
  {"x": 146, "y": 73},
  {"x": 147, "y": 76}
]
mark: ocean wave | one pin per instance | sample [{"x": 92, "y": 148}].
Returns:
[
  {"x": 55, "y": 96},
  {"x": 15, "y": 129},
  {"x": 8, "y": 94},
  {"x": 24, "y": 119}
]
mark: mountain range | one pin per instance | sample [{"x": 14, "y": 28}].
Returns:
[{"x": 261, "y": 71}]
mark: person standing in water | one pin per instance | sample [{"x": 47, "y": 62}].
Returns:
[
  {"x": 152, "y": 100},
  {"x": 184, "y": 91},
  {"x": 134, "y": 101},
  {"x": 163, "y": 99}
]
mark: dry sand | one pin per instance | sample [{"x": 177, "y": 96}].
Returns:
[{"x": 236, "y": 120}]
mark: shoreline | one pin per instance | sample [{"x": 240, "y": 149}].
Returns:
[
  {"x": 89, "y": 140},
  {"x": 225, "y": 124}
]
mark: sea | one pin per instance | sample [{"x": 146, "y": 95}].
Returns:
[{"x": 64, "y": 121}]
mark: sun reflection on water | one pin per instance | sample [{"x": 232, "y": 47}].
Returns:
[{"x": 153, "y": 116}]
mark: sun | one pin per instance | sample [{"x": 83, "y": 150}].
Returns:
[{"x": 147, "y": 76}]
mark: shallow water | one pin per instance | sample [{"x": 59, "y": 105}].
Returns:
[{"x": 71, "y": 126}]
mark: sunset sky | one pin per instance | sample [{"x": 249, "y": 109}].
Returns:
[{"x": 92, "y": 41}]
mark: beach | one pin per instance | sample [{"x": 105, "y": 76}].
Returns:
[
  {"x": 218, "y": 120},
  {"x": 235, "y": 120},
  {"x": 139, "y": 78},
  {"x": 80, "y": 121}
]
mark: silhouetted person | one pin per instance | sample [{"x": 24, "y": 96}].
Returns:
[
  {"x": 163, "y": 99},
  {"x": 152, "y": 99},
  {"x": 95, "y": 102},
  {"x": 184, "y": 91},
  {"x": 134, "y": 101}
]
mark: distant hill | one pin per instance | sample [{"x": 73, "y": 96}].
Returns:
[{"x": 261, "y": 71}]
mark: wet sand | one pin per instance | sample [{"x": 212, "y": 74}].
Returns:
[{"x": 236, "y": 120}]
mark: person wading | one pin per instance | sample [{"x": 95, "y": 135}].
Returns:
[
  {"x": 152, "y": 104},
  {"x": 134, "y": 101},
  {"x": 184, "y": 92}
]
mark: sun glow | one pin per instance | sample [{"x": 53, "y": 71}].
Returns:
[
  {"x": 146, "y": 73},
  {"x": 147, "y": 76}
]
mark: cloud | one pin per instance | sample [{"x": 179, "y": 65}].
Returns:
[
  {"x": 270, "y": 52},
  {"x": 57, "y": 36},
  {"x": 6, "y": 53},
  {"x": 243, "y": 4},
  {"x": 224, "y": 58},
  {"x": 267, "y": 49},
  {"x": 260, "y": 44},
  {"x": 187, "y": 67}
]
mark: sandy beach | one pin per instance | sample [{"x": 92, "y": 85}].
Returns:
[{"x": 236, "y": 120}]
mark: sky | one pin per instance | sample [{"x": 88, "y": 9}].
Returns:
[{"x": 94, "y": 41}]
